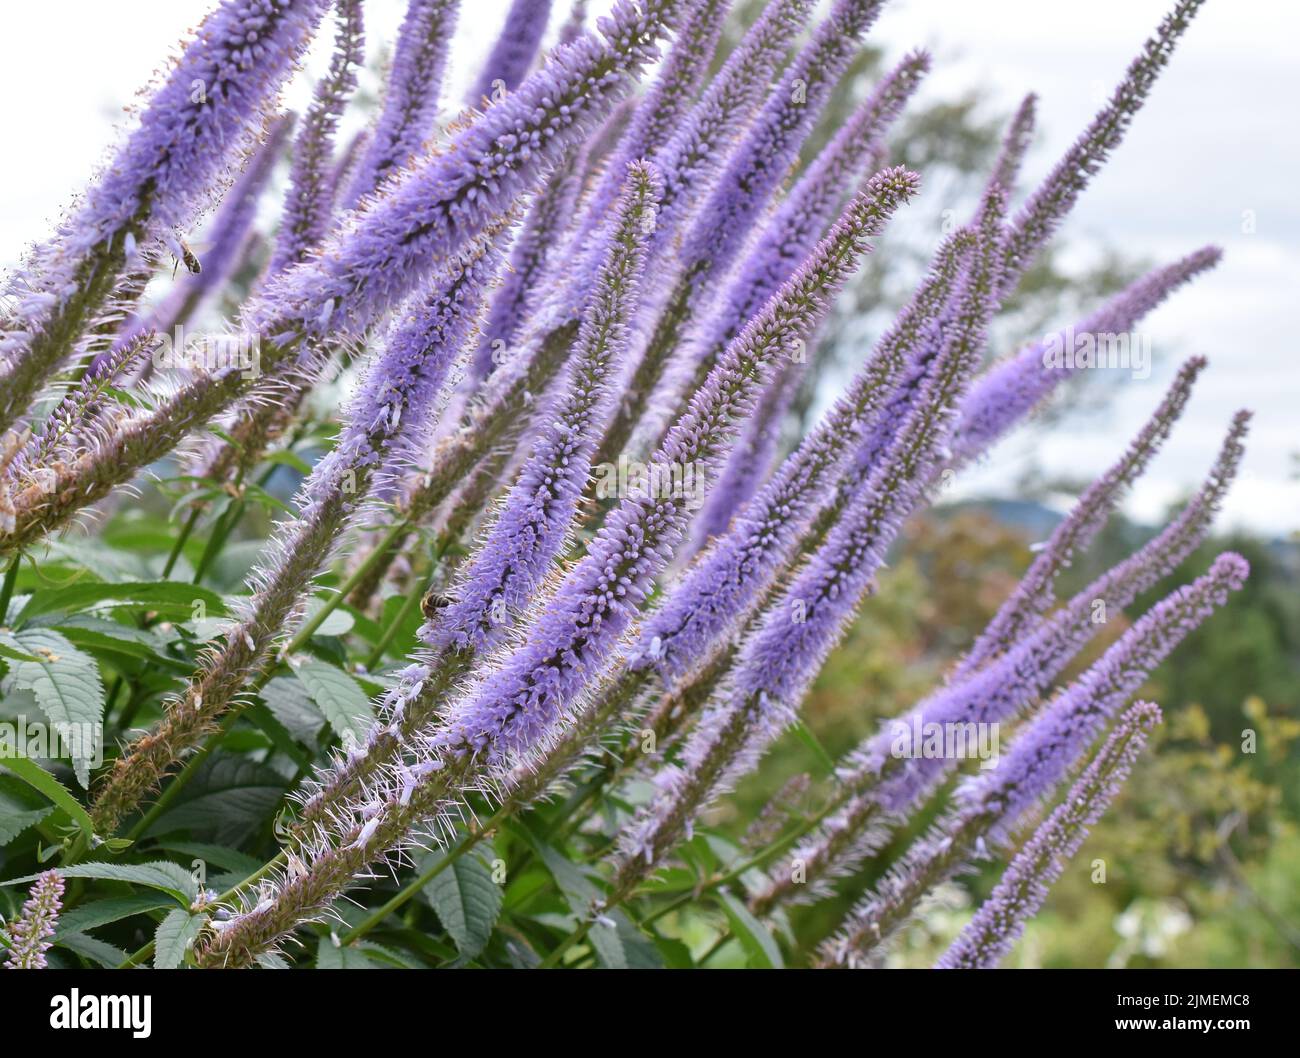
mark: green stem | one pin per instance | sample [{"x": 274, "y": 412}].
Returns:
[
  {"x": 409, "y": 604},
  {"x": 7, "y": 588},
  {"x": 181, "y": 539},
  {"x": 553, "y": 960}
]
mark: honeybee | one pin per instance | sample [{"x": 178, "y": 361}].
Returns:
[{"x": 432, "y": 602}]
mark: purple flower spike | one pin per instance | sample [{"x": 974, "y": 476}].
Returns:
[
  {"x": 514, "y": 51},
  {"x": 430, "y": 212},
  {"x": 1006, "y": 169},
  {"x": 1039, "y": 218},
  {"x": 197, "y": 126},
  {"x": 410, "y": 98},
  {"x": 310, "y": 198},
  {"x": 783, "y": 655},
  {"x": 721, "y": 588},
  {"x": 1033, "y": 595},
  {"x": 30, "y": 934},
  {"x": 1001, "y": 919},
  {"x": 1010, "y": 390},
  {"x": 766, "y": 153},
  {"x": 665, "y": 106},
  {"x": 570, "y": 642},
  {"x": 522, "y": 546},
  {"x": 990, "y": 807}
]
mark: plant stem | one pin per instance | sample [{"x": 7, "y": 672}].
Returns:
[
  {"x": 181, "y": 539},
  {"x": 7, "y": 588}
]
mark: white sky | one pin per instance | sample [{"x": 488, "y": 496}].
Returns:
[{"x": 1218, "y": 138}]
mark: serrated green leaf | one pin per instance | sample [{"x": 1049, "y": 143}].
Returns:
[
  {"x": 330, "y": 956},
  {"x": 339, "y": 697},
  {"x": 175, "y": 933},
  {"x": 102, "y": 912},
  {"x": 13, "y": 823},
  {"x": 166, "y": 596},
  {"x": 467, "y": 901},
  {"x": 39, "y": 779},
  {"x": 752, "y": 934},
  {"x": 582, "y": 895},
  {"x": 229, "y": 798},
  {"x": 168, "y": 877},
  {"x": 93, "y": 949},
  {"x": 68, "y": 689},
  {"x": 290, "y": 703}
]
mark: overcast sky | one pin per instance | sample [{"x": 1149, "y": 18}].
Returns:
[{"x": 1216, "y": 145}]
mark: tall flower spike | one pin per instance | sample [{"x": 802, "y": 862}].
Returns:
[
  {"x": 880, "y": 781},
  {"x": 689, "y": 159},
  {"x": 796, "y": 226},
  {"x": 30, "y": 935},
  {"x": 718, "y": 592},
  {"x": 665, "y": 106},
  {"x": 523, "y": 543},
  {"x": 1001, "y": 919},
  {"x": 431, "y": 211},
  {"x": 753, "y": 171},
  {"x": 782, "y": 656},
  {"x": 1015, "y": 144},
  {"x": 569, "y": 643},
  {"x": 310, "y": 198},
  {"x": 514, "y": 51},
  {"x": 387, "y": 420},
  {"x": 411, "y": 96},
  {"x": 224, "y": 243},
  {"x": 1010, "y": 390},
  {"x": 543, "y": 232},
  {"x": 1034, "y": 595},
  {"x": 196, "y": 126},
  {"x": 430, "y": 215},
  {"x": 991, "y": 806},
  {"x": 1039, "y": 218}
]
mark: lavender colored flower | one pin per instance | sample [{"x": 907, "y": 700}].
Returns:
[
  {"x": 1039, "y": 218},
  {"x": 514, "y": 51},
  {"x": 543, "y": 232},
  {"x": 517, "y": 704},
  {"x": 306, "y": 213},
  {"x": 989, "y": 807},
  {"x": 1008, "y": 391},
  {"x": 30, "y": 934},
  {"x": 388, "y": 420},
  {"x": 199, "y": 124},
  {"x": 1033, "y": 595},
  {"x": 782, "y": 656},
  {"x": 665, "y": 106},
  {"x": 717, "y": 593},
  {"x": 689, "y": 160},
  {"x": 782, "y": 241},
  {"x": 223, "y": 246},
  {"x": 411, "y": 96},
  {"x": 431, "y": 211},
  {"x": 537, "y": 517},
  {"x": 1001, "y": 919},
  {"x": 1014, "y": 144}
]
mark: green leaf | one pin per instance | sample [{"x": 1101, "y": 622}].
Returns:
[
  {"x": 331, "y": 956},
  {"x": 339, "y": 697},
  {"x": 93, "y": 949},
  {"x": 289, "y": 702},
  {"x": 68, "y": 689},
  {"x": 217, "y": 855},
  {"x": 175, "y": 934},
  {"x": 582, "y": 896},
  {"x": 39, "y": 779},
  {"x": 160, "y": 874},
  {"x": 338, "y": 622},
  {"x": 229, "y": 798},
  {"x": 467, "y": 900},
  {"x": 167, "y": 597},
  {"x": 752, "y": 934},
  {"x": 102, "y": 912},
  {"x": 824, "y": 759},
  {"x": 16, "y": 655}
]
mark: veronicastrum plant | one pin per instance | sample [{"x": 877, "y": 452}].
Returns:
[{"x": 550, "y": 584}]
